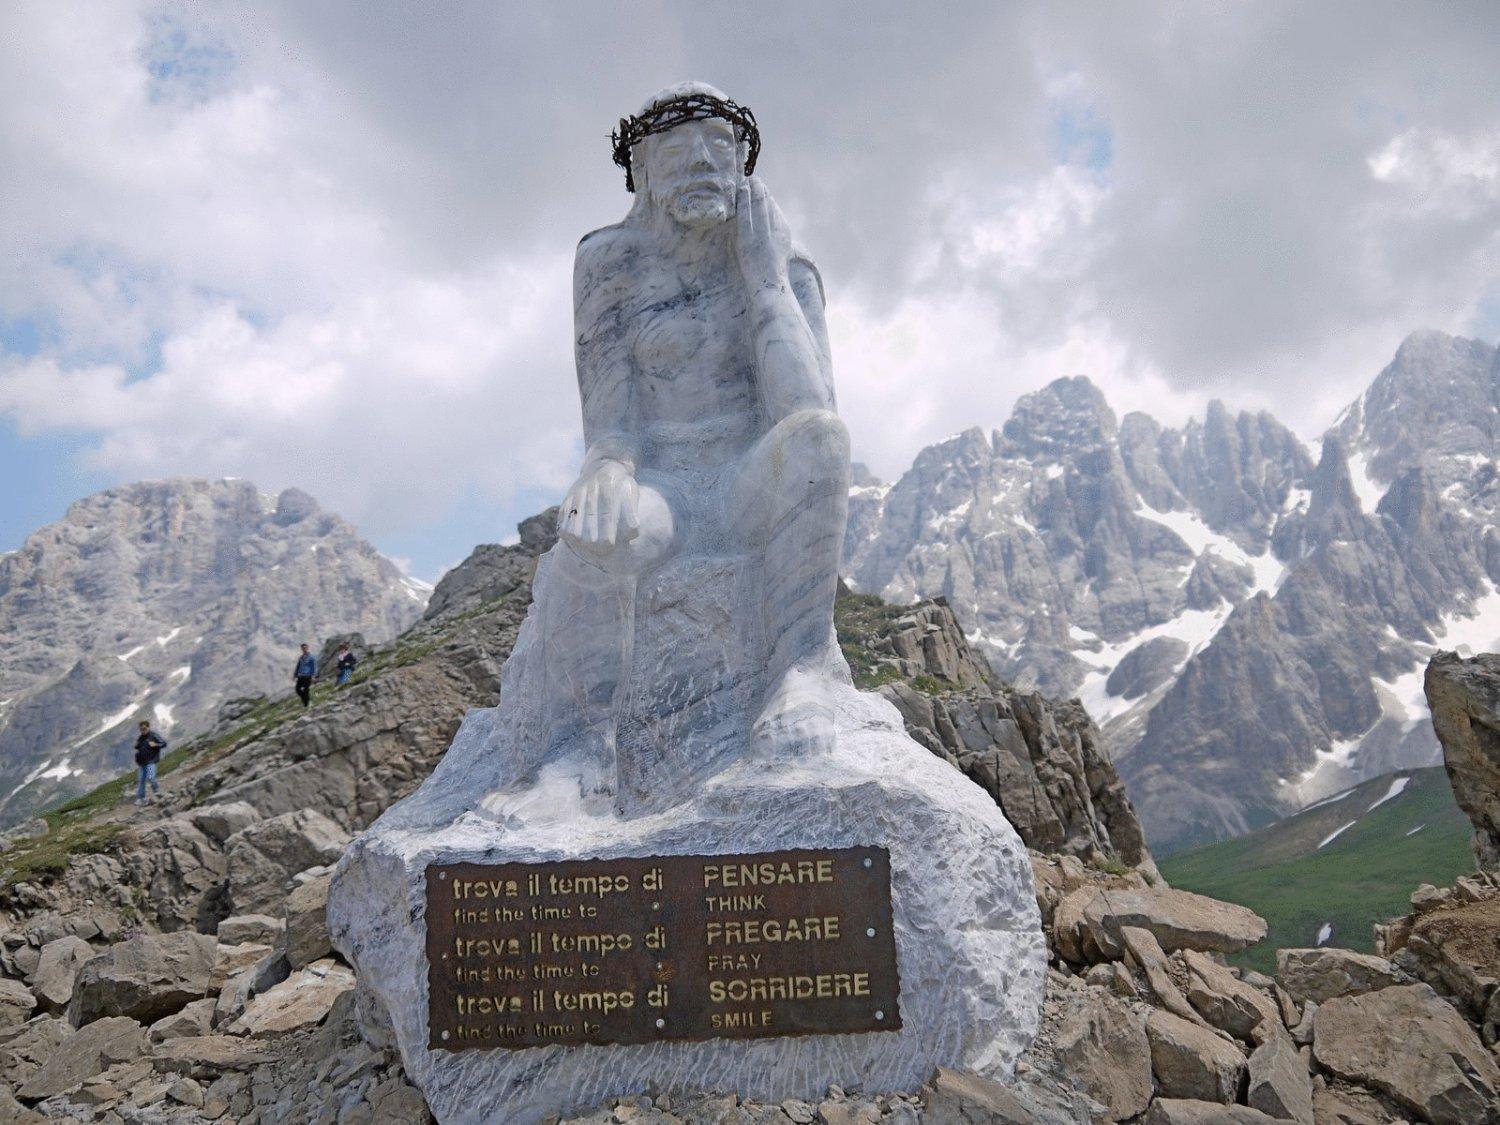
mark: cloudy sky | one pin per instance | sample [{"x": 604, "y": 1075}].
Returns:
[{"x": 330, "y": 244}]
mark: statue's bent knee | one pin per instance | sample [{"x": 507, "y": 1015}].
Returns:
[{"x": 598, "y": 564}]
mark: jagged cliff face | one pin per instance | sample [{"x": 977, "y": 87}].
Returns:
[
  {"x": 1246, "y": 623},
  {"x": 159, "y": 601}
]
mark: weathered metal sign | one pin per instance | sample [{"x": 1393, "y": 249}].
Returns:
[{"x": 636, "y": 950}]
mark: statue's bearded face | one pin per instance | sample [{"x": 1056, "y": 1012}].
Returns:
[{"x": 693, "y": 169}]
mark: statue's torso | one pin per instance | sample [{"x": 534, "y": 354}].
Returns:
[{"x": 693, "y": 367}]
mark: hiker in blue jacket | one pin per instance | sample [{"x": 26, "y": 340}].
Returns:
[
  {"x": 307, "y": 668},
  {"x": 148, "y": 748}
]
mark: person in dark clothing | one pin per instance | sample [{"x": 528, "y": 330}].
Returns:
[
  {"x": 148, "y": 748},
  {"x": 346, "y": 665},
  {"x": 307, "y": 668}
]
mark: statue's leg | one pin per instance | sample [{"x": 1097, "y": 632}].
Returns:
[
  {"x": 589, "y": 627},
  {"x": 792, "y": 494}
]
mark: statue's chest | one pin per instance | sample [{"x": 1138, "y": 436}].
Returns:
[{"x": 691, "y": 337}]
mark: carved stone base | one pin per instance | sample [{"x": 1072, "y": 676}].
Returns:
[{"x": 969, "y": 944}]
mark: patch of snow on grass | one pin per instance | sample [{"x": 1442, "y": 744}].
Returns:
[
  {"x": 133, "y": 652},
  {"x": 166, "y": 638},
  {"x": 1326, "y": 800},
  {"x": 181, "y": 675},
  {"x": 1417, "y": 829},
  {"x": 1335, "y": 834},
  {"x": 1325, "y": 931},
  {"x": 163, "y": 713},
  {"x": 1396, "y": 789}
]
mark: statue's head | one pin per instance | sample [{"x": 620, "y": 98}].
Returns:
[{"x": 687, "y": 152}]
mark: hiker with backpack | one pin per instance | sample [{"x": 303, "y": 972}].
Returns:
[{"x": 148, "y": 748}]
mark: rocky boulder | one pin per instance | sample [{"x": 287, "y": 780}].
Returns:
[
  {"x": 1321, "y": 974},
  {"x": 302, "y": 1000},
  {"x": 16, "y": 1003},
  {"x": 1103, "y": 1047},
  {"x": 1410, "y": 1044},
  {"x": 57, "y": 969},
  {"x": 1464, "y": 697},
  {"x": 1279, "y": 1084},
  {"x": 1192, "y": 1062},
  {"x": 145, "y": 978},
  {"x": 85, "y": 1053},
  {"x": 1089, "y": 921},
  {"x": 306, "y": 925},
  {"x": 1187, "y": 1111},
  {"x": 264, "y": 856}
]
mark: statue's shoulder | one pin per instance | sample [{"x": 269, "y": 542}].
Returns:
[{"x": 609, "y": 244}]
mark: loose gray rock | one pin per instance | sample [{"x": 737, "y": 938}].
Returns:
[
  {"x": 260, "y": 929},
  {"x": 221, "y": 821},
  {"x": 1177, "y": 919},
  {"x": 1225, "y": 1001},
  {"x": 1179, "y": 1111},
  {"x": 1279, "y": 1084},
  {"x": 1192, "y": 1062},
  {"x": 1103, "y": 1047},
  {"x": 196, "y": 1018},
  {"x": 145, "y": 978},
  {"x": 264, "y": 857},
  {"x": 1321, "y": 974},
  {"x": 57, "y": 969},
  {"x": 85, "y": 1053},
  {"x": 16, "y": 1003},
  {"x": 1407, "y": 1042},
  {"x": 306, "y": 924}
]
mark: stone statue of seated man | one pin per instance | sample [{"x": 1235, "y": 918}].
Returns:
[
  {"x": 677, "y": 690},
  {"x": 710, "y": 433}
]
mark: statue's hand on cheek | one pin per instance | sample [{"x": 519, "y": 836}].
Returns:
[
  {"x": 600, "y": 511},
  {"x": 763, "y": 241}
]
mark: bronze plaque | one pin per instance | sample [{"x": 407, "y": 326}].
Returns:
[{"x": 636, "y": 950}]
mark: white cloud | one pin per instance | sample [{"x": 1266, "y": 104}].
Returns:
[
  {"x": 307, "y": 247},
  {"x": 1444, "y": 171}
]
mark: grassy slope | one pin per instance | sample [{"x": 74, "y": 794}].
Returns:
[{"x": 1364, "y": 876}]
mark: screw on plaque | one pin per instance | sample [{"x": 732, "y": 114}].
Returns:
[
  {"x": 869, "y": 862},
  {"x": 442, "y": 874},
  {"x": 879, "y": 1015},
  {"x": 445, "y": 1037},
  {"x": 868, "y": 933},
  {"x": 661, "y": 1023}
]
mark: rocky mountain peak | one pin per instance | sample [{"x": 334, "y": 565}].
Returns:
[{"x": 1067, "y": 418}]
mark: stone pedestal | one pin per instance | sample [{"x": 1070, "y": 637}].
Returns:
[{"x": 969, "y": 945}]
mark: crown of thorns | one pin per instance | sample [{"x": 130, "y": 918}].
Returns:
[{"x": 689, "y": 107}]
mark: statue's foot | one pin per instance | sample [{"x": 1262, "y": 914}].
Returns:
[{"x": 797, "y": 715}]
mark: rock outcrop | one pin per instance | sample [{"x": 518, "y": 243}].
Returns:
[{"x": 1464, "y": 696}]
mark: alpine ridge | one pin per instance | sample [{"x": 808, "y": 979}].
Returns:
[
  {"x": 1246, "y": 618},
  {"x": 161, "y": 600}
]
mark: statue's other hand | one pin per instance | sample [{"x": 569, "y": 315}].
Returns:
[
  {"x": 763, "y": 240},
  {"x": 601, "y": 510}
]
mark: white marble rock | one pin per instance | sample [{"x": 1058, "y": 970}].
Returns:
[{"x": 969, "y": 945}]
